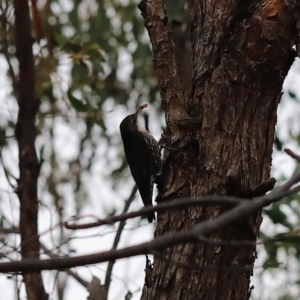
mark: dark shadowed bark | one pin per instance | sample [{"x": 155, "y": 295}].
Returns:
[
  {"x": 28, "y": 162},
  {"x": 219, "y": 137}
]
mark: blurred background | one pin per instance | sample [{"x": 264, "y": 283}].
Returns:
[{"x": 93, "y": 63}]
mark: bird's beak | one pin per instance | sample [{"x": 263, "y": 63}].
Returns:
[{"x": 139, "y": 110}]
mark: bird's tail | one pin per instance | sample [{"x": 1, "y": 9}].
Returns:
[
  {"x": 146, "y": 195},
  {"x": 150, "y": 216}
]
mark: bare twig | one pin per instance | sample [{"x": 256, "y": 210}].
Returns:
[
  {"x": 68, "y": 271},
  {"x": 288, "y": 184},
  {"x": 246, "y": 209},
  {"x": 4, "y": 40},
  {"x": 7, "y": 173},
  {"x": 176, "y": 204},
  {"x": 160, "y": 242},
  {"x": 292, "y": 154},
  {"x": 117, "y": 239}
]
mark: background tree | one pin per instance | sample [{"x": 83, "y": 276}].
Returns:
[{"x": 93, "y": 66}]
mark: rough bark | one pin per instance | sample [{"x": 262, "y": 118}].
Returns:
[
  {"x": 28, "y": 162},
  {"x": 222, "y": 144}
]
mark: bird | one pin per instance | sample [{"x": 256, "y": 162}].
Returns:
[{"x": 143, "y": 156}]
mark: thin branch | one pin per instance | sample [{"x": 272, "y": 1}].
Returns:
[
  {"x": 4, "y": 42},
  {"x": 7, "y": 173},
  {"x": 10, "y": 230},
  {"x": 288, "y": 184},
  {"x": 68, "y": 271},
  {"x": 117, "y": 239},
  {"x": 173, "y": 205},
  {"x": 292, "y": 154},
  {"x": 246, "y": 209},
  {"x": 161, "y": 242}
]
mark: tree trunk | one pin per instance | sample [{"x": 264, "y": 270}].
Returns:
[
  {"x": 28, "y": 161},
  {"x": 220, "y": 137}
]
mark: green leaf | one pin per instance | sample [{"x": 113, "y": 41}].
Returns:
[
  {"x": 278, "y": 143},
  {"x": 292, "y": 95},
  {"x": 277, "y": 216},
  {"x": 76, "y": 103},
  {"x": 60, "y": 39}
]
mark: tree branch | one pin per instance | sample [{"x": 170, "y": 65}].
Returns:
[
  {"x": 172, "y": 205},
  {"x": 292, "y": 154},
  {"x": 68, "y": 271},
  {"x": 117, "y": 239},
  {"x": 203, "y": 229}
]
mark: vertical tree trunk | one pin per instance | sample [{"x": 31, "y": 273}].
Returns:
[
  {"x": 221, "y": 136},
  {"x": 28, "y": 162}
]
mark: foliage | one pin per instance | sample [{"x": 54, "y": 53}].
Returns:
[
  {"x": 93, "y": 66},
  {"x": 280, "y": 229}
]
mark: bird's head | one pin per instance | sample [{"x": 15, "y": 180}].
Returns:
[{"x": 130, "y": 122}]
